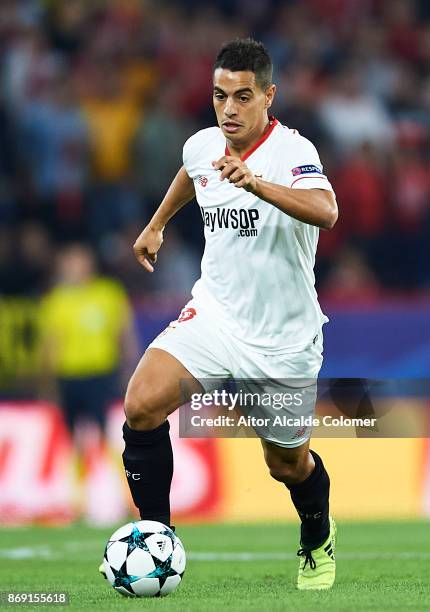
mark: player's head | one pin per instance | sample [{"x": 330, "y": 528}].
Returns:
[
  {"x": 243, "y": 88},
  {"x": 76, "y": 264}
]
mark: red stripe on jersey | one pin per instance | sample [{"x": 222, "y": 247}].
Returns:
[
  {"x": 265, "y": 136},
  {"x": 308, "y": 177}
]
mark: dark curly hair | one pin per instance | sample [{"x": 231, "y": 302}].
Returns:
[{"x": 246, "y": 54}]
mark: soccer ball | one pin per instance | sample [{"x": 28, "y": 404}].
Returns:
[{"x": 144, "y": 559}]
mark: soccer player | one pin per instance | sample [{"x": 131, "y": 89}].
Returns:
[{"x": 254, "y": 312}]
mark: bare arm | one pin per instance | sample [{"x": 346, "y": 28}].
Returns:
[
  {"x": 180, "y": 192},
  {"x": 314, "y": 206}
]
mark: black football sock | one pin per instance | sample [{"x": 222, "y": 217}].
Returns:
[
  {"x": 148, "y": 462},
  {"x": 310, "y": 498}
]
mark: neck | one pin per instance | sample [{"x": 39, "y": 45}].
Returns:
[{"x": 238, "y": 149}]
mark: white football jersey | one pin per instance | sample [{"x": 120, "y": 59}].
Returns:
[{"x": 257, "y": 267}]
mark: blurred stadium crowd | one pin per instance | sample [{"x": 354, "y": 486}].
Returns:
[{"x": 98, "y": 97}]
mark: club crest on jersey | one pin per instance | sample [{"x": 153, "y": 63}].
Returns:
[
  {"x": 306, "y": 170},
  {"x": 203, "y": 180}
]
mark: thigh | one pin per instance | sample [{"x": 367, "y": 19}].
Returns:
[
  {"x": 187, "y": 358},
  {"x": 163, "y": 381}
]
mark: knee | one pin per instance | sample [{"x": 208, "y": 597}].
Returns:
[
  {"x": 289, "y": 472},
  {"x": 142, "y": 407}
]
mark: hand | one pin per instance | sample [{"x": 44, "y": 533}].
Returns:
[
  {"x": 147, "y": 246},
  {"x": 236, "y": 171}
]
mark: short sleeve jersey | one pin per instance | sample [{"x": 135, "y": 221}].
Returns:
[{"x": 257, "y": 268}]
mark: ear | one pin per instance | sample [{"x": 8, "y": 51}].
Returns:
[{"x": 270, "y": 94}]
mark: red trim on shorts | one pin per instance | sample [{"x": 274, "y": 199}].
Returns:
[{"x": 265, "y": 136}]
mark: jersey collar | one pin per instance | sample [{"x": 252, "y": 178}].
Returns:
[{"x": 273, "y": 122}]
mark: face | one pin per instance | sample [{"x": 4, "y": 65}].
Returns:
[
  {"x": 76, "y": 265},
  {"x": 240, "y": 104}
]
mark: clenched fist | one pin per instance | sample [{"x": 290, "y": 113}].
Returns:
[
  {"x": 236, "y": 171},
  {"x": 147, "y": 246}
]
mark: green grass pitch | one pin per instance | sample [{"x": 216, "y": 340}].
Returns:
[{"x": 381, "y": 566}]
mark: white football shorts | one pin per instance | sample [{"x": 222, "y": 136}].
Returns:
[{"x": 210, "y": 354}]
